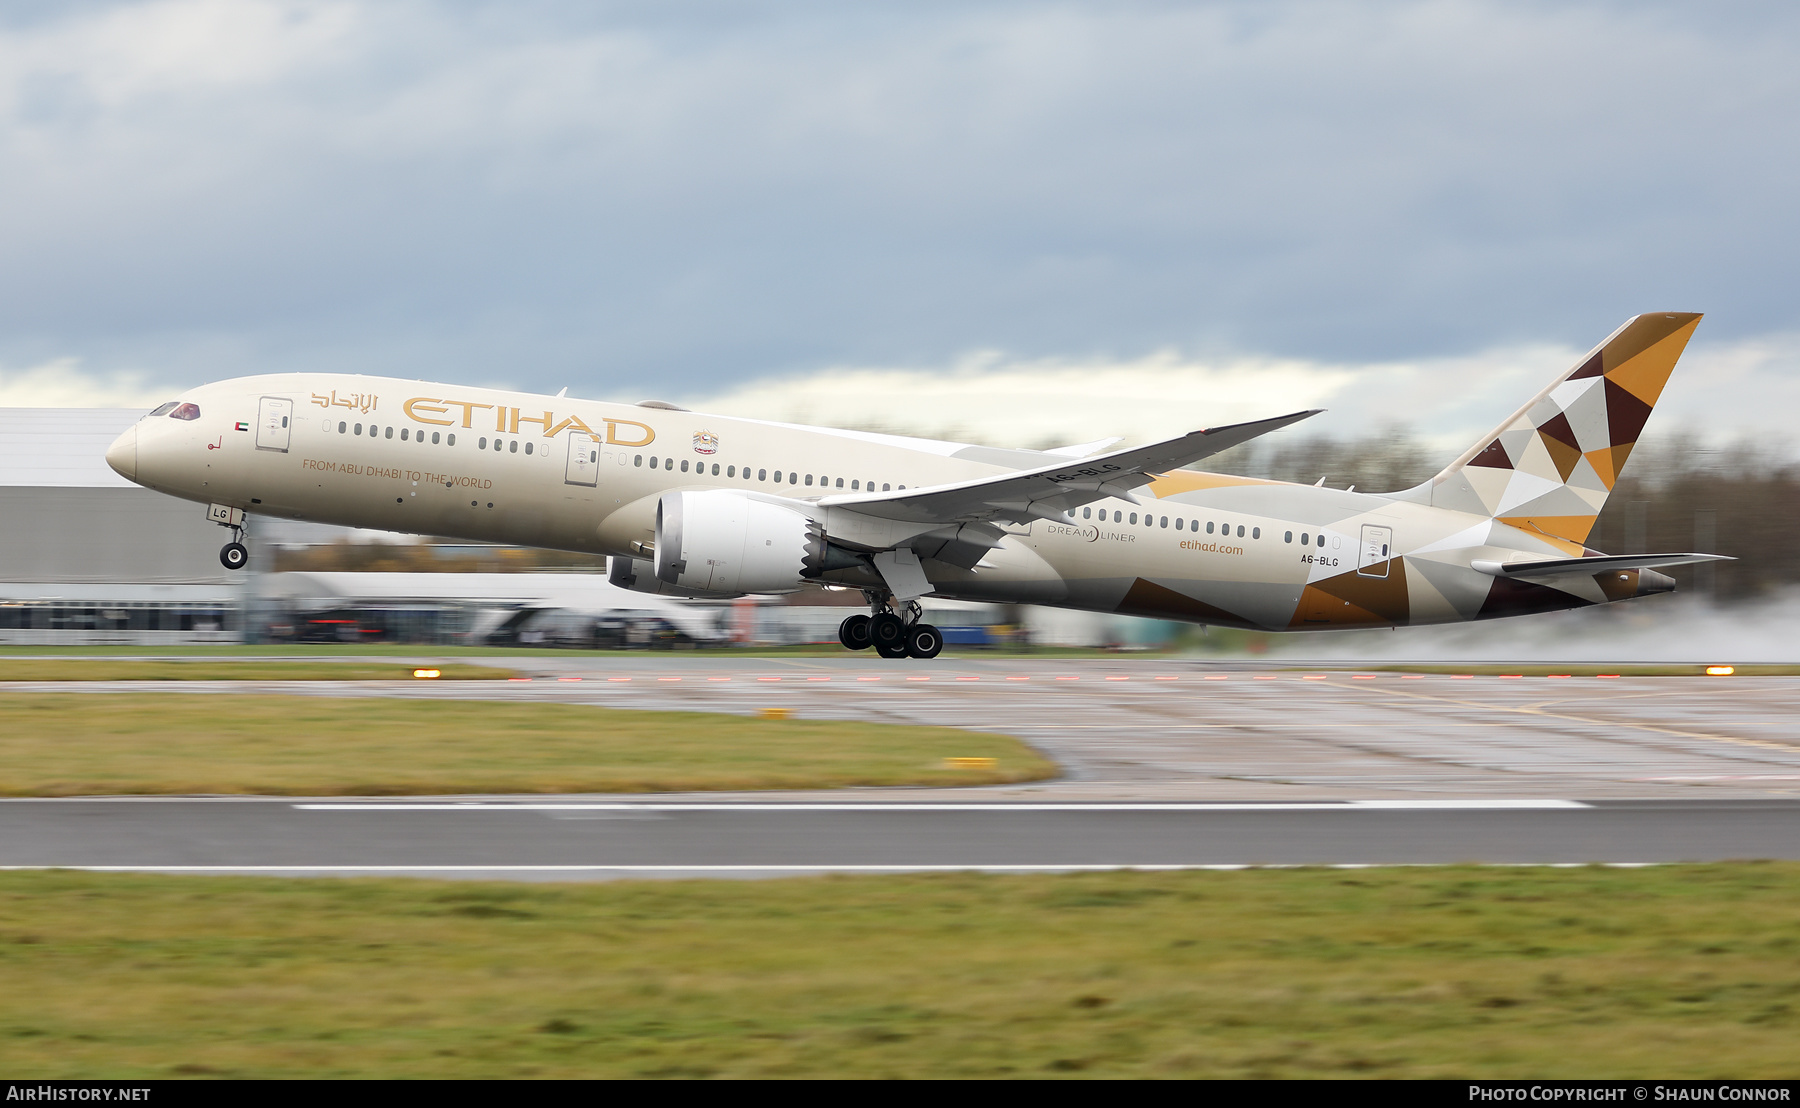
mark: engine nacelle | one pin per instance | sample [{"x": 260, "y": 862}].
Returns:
[
  {"x": 725, "y": 541},
  {"x": 639, "y": 575}
]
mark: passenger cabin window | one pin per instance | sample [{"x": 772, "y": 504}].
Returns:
[
  {"x": 1305, "y": 538},
  {"x": 809, "y": 479},
  {"x": 1209, "y": 526},
  {"x": 342, "y": 427},
  {"x": 1134, "y": 517},
  {"x": 762, "y": 474},
  {"x": 390, "y": 433},
  {"x": 1287, "y": 536},
  {"x": 185, "y": 411},
  {"x": 715, "y": 469},
  {"x": 513, "y": 448},
  {"x": 730, "y": 471},
  {"x": 840, "y": 482},
  {"x": 884, "y": 487},
  {"x": 1178, "y": 523},
  {"x": 653, "y": 462},
  {"x": 684, "y": 465},
  {"x": 1256, "y": 532},
  {"x": 637, "y": 460},
  {"x": 1240, "y": 530},
  {"x": 482, "y": 445},
  {"x": 359, "y": 428},
  {"x": 165, "y": 409}
]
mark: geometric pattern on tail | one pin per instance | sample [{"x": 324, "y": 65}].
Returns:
[{"x": 1548, "y": 469}]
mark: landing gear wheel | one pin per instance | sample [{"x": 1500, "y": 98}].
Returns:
[
  {"x": 923, "y": 641},
  {"x": 234, "y": 556},
  {"x": 888, "y": 635},
  {"x": 854, "y": 633}
]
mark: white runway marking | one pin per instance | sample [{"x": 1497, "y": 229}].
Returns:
[
  {"x": 1083, "y": 867},
  {"x": 651, "y": 806}
]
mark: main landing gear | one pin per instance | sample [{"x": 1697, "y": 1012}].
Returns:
[{"x": 893, "y": 635}]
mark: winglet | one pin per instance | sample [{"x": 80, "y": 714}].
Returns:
[{"x": 1082, "y": 450}]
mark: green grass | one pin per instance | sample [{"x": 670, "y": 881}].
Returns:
[
  {"x": 77, "y": 744},
  {"x": 289, "y": 650},
  {"x": 227, "y": 669},
  {"x": 1677, "y": 972},
  {"x": 426, "y": 650},
  {"x": 1584, "y": 670}
]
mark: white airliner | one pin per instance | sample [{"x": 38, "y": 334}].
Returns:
[{"x": 689, "y": 504}]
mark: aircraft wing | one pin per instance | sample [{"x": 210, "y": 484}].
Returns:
[
  {"x": 1560, "y": 567},
  {"x": 1048, "y": 492}
]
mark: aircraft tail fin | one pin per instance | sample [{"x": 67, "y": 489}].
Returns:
[{"x": 1549, "y": 467}]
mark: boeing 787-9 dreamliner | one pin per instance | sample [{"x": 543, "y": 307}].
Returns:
[{"x": 695, "y": 505}]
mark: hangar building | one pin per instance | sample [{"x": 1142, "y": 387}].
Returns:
[{"x": 86, "y": 556}]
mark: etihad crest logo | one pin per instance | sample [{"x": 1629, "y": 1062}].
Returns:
[{"x": 705, "y": 442}]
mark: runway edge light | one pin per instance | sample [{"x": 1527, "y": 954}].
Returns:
[
  {"x": 427, "y": 674},
  {"x": 1720, "y": 671}
]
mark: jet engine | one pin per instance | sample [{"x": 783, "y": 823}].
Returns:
[
  {"x": 639, "y": 575},
  {"x": 726, "y": 541}
]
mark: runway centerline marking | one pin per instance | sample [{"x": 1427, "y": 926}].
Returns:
[{"x": 815, "y": 867}]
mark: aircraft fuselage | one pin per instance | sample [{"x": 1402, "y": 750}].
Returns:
[{"x": 581, "y": 475}]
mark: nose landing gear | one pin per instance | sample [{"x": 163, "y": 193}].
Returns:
[
  {"x": 234, "y": 554},
  {"x": 893, "y": 634}
]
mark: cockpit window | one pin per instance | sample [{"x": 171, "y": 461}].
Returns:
[
  {"x": 185, "y": 411},
  {"x": 166, "y": 408}
]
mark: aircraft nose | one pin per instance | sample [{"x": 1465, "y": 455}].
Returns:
[
  {"x": 122, "y": 454},
  {"x": 1651, "y": 582}
]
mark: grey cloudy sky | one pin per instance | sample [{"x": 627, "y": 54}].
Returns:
[{"x": 722, "y": 200}]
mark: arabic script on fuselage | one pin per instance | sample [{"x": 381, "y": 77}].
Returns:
[{"x": 356, "y": 401}]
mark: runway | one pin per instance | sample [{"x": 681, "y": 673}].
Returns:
[
  {"x": 1168, "y": 763},
  {"x": 1177, "y": 729},
  {"x": 590, "y": 840}
]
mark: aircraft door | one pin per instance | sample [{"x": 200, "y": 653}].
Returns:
[
  {"x": 1376, "y": 554},
  {"x": 274, "y": 423},
  {"x": 583, "y": 467}
]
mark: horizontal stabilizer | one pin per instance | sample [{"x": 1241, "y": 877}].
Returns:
[{"x": 1563, "y": 567}]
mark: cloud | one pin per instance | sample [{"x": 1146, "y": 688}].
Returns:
[
  {"x": 700, "y": 196},
  {"x": 63, "y": 384},
  {"x": 1720, "y": 391}
]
